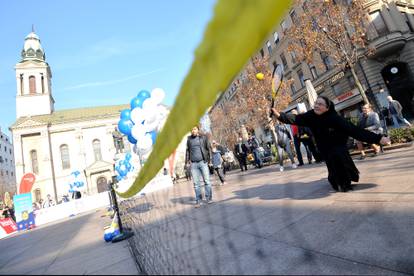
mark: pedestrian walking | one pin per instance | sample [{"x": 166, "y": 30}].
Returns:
[
  {"x": 198, "y": 154},
  {"x": 395, "y": 112},
  {"x": 369, "y": 120},
  {"x": 254, "y": 148},
  {"x": 284, "y": 142},
  {"x": 217, "y": 160},
  {"x": 331, "y": 133},
  {"x": 241, "y": 151}
]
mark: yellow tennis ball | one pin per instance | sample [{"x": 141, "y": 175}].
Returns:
[{"x": 259, "y": 76}]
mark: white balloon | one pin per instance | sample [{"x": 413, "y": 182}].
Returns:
[
  {"x": 157, "y": 95},
  {"x": 137, "y": 115},
  {"x": 150, "y": 126},
  {"x": 150, "y": 115},
  {"x": 138, "y": 131},
  {"x": 149, "y": 104},
  {"x": 145, "y": 142}
]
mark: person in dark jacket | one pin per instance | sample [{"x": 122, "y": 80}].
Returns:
[
  {"x": 241, "y": 151},
  {"x": 198, "y": 155},
  {"x": 331, "y": 133}
]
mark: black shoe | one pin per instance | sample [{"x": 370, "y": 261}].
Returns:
[
  {"x": 300, "y": 164},
  {"x": 362, "y": 157}
]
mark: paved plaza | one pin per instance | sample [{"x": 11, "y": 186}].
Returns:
[
  {"x": 73, "y": 246},
  {"x": 262, "y": 222},
  {"x": 268, "y": 222}
]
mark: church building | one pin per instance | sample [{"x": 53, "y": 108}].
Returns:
[{"x": 54, "y": 143}]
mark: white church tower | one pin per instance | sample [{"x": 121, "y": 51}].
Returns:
[{"x": 33, "y": 77}]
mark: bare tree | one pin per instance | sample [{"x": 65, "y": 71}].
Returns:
[
  {"x": 334, "y": 29},
  {"x": 250, "y": 105}
]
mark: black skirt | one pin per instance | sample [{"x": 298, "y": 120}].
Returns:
[{"x": 341, "y": 169}]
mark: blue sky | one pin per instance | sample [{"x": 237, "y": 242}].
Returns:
[{"x": 102, "y": 52}]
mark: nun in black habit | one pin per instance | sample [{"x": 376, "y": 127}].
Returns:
[{"x": 331, "y": 133}]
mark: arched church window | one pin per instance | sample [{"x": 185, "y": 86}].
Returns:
[
  {"x": 21, "y": 84},
  {"x": 97, "y": 149},
  {"x": 35, "y": 163},
  {"x": 64, "y": 156},
  {"x": 37, "y": 195},
  {"x": 43, "y": 83},
  {"x": 32, "y": 85}
]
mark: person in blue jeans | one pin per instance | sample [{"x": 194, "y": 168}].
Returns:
[
  {"x": 254, "y": 147},
  {"x": 198, "y": 156}
]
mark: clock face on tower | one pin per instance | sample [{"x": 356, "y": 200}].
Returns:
[{"x": 394, "y": 70}]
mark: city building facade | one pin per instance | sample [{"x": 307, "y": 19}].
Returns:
[
  {"x": 389, "y": 71},
  {"x": 7, "y": 172}
]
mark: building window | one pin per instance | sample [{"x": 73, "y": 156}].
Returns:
[
  {"x": 301, "y": 78},
  {"x": 337, "y": 89},
  {"x": 43, "y": 84},
  {"x": 64, "y": 156},
  {"x": 21, "y": 84},
  {"x": 37, "y": 195},
  {"x": 35, "y": 164},
  {"x": 405, "y": 15},
  {"x": 97, "y": 149},
  {"x": 327, "y": 61},
  {"x": 293, "y": 16},
  {"x": 351, "y": 81},
  {"x": 378, "y": 23},
  {"x": 7, "y": 172},
  {"x": 32, "y": 85},
  {"x": 276, "y": 37},
  {"x": 262, "y": 53},
  {"x": 283, "y": 59},
  {"x": 12, "y": 174},
  {"x": 293, "y": 88},
  {"x": 313, "y": 70},
  {"x": 293, "y": 56},
  {"x": 284, "y": 26},
  {"x": 269, "y": 47}
]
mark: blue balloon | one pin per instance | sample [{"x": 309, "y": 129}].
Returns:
[
  {"x": 125, "y": 126},
  {"x": 126, "y": 114},
  {"x": 153, "y": 136},
  {"x": 137, "y": 102},
  {"x": 144, "y": 94},
  {"x": 128, "y": 156},
  {"x": 131, "y": 139}
]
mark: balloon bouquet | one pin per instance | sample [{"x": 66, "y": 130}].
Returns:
[
  {"x": 140, "y": 124},
  {"x": 76, "y": 182}
]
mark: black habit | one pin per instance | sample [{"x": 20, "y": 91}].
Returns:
[{"x": 331, "y": 133}]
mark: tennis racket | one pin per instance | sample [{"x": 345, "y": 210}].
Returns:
[{"x": 277, "y": 79}]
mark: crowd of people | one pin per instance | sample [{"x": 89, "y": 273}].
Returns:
[{"x": 321, "y": 132}]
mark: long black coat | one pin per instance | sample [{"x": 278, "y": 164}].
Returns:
[{"x": 331, "y": 134}]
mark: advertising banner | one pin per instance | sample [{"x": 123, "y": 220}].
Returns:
[
  {"x": 23, "y": 210},
  {"x": 7, "y": 227}
]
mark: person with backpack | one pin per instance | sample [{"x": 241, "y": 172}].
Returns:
[
  {"x": 284, "y": 141},
  {"x": 254, "y": 148},
  {"x": 217, "y": 160}
]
